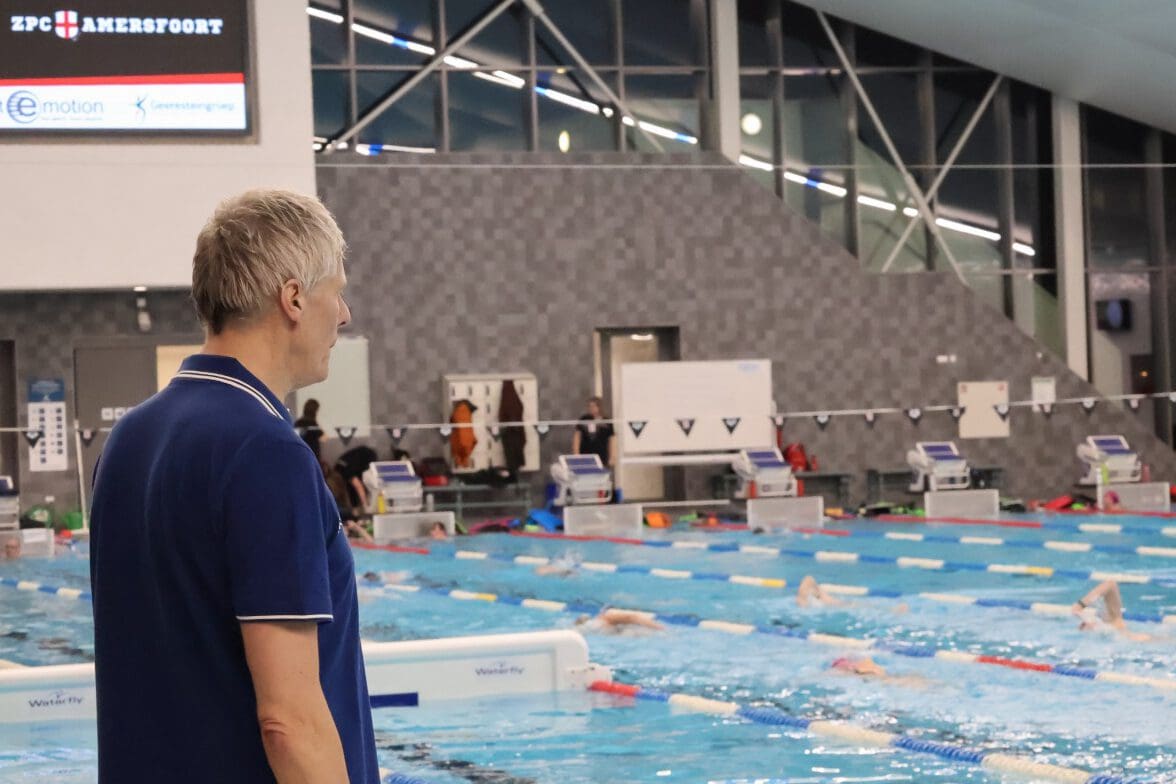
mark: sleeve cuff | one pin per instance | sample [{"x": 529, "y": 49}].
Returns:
[{"x": 312, "y": 617}]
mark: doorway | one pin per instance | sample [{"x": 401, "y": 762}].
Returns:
[
  {"x": 612, "y": 347},
  {"x": 9, "y": 444}
]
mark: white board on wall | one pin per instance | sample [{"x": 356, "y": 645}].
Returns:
[
  {"x": 661, "y": 393},
  {"x": 345, "y": 398},
  {"x": 979, "y": 400}
]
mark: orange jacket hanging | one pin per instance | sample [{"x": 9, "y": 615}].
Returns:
[{"x": 462, "y": 440}]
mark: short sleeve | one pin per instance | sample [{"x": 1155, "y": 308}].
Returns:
[{"x": 275, "y": 534}]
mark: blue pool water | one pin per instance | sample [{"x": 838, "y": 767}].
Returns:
[{"x": 1103, "y": 727}]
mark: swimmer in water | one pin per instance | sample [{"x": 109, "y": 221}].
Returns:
[
  {"x": 385, "y": 578},
  {"x": 563, "y": 566},
  {"x": 1111, "y": 617},
  {"x": 810, "y": 593},
  {"x": 611, "y": 620},
  {"x": 865, "y": 667}
]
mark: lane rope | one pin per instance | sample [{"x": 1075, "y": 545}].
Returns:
[{"x": 864, "y": 736}]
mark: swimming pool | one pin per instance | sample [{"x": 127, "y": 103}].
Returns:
[{"x": 1121, "y": 728}]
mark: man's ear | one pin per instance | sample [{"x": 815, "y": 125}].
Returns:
[{"x": 292, "y": 300}]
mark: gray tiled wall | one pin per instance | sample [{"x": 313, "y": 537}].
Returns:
[{"x": 474, "y": 263}]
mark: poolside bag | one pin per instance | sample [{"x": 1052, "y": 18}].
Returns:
[
  {"x": 545, "y": 520},
  {"x": 796, "y": 456},
  {"x": 1059, "y": 503}
]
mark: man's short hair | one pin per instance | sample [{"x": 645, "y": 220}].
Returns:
[{"x": 253, "y": 244}]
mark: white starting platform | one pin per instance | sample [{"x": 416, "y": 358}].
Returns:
[
  {"x": 581, "y": 479},
  {"x": 804, "y": 511},
  {"x": 1109, "y": 459},
  {"x": 627, "y": 520},
  {"x": 1138, "y": 496},
  {"x": 962, "y": 503},
  {"x": 387, "y": 528},
  {"x": 417, "y": 672}
]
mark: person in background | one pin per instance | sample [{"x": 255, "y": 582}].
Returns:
[
  {"x": 351, "y": 465},
  {"x": 12, "y": 548},
  {"x": 437, "y": 531},
  {"x": 1111, "y": 616},
  {"x": 308, "y": 427},
  {"x": 592, "y": 438}
]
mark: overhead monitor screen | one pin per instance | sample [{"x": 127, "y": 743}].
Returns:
[{"x": 124, "y": 66}]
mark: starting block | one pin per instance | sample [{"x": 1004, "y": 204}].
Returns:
[
  {"x": 763, "y": 473},
  {"x": 962, "y": 503},
  {"x": 581, "y": 479},
  {"x": 625, "y": 520},
  {"x": 1109, "y": 459},
  {"x": 938, "y": 465},
  {"x": 804, "y": 511},
  {"x": 397, "y": 483}
]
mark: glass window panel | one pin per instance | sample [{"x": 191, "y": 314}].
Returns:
[
  {"x": 883, "y": 193},
  {"x": 1032, "y": 187},
  {"x": 328, "y": 39},
  {"x": 484, "y": 115},
  {"x": 805, "y": 43},
  {"x": 668, "y": 102},
  {"x": 409, "y": 20},
  {"x": 1170, "y": 206},
  {"x": 755, "y": 116},
  {"x": 956, "y": 97},
  {"x": 894, "y": 98},
  {"x": 755, "y": 123},
  {"x": 501, "y": 43},
  {"x": 659, "y": 32},
  {"x": 815, "y": 147},
  {"x": 753, "y": 33},
  {"x": 331, "y": 98},
  {"x": 1116, "y": 197},
  {"x": 585, "y": 130},
  {"x": 588, "y": 24},
  {"x": 1035, "y": 308},
  {"x": 878, "y": 49},
  {"x": 408, "y": 122}
]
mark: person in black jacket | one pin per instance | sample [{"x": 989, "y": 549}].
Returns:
[{"x": 308, "y": 427}]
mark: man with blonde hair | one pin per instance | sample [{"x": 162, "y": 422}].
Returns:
[{"x": 223, "y": 584}]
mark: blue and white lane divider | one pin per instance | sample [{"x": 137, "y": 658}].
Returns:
[
  {"x": 902, "y": 561},
  {"x": 864, "y": 736},
  {"x": 820, "y": 638},
  {"x": 29, "y": 585},
  {"x": 619, "y": 568},
  {"x": 997, "y": 541},
  {"x": 1039, "y": 608}
]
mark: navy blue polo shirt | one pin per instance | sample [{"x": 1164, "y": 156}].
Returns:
[{"x": 209, "y": 511}]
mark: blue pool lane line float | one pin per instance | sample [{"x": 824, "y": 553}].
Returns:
[{"x": 864, "y": 736}]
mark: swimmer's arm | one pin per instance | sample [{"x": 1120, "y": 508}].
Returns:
[
  {"x": 628, "y": 617},
  {"x": 1093, "y": 595},
  {"x": 299, "y": 735}
]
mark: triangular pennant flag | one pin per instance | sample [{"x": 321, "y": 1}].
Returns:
[
  {"x": 1088, "y": 404},
  {"x": 914, "y": 414},
  {"x": 1047, "y": 409},
  {"x": 542, "y": 429},
  {"x": 33, "y": 436},
  {"x": 822, "y": 420},
  {"x": 778, "y": 420},
  {"x": 637, "y": 425},
  {"x": 495, "y": 432},
  {"x": 1002, "y": 410},
  {"x": 87, "y": 435},
  {"x": 956, "y": 412},
  {"x": 871, "y": 418},
  {"x": 396, "y": 434},
  {"x": 1133, "y": 403},
  {"x": 731, "y": 423},
  {"x": 345, "y": 434},
  {"x": 445, "y": 431},
  {"x": 686, "y": 424}
]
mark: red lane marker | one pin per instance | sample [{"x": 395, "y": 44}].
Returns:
[
  {"x": 1016, "y": 664},
  {"x": 615, "y": 688},
  {"x": 824, "y": 531},
  {"x": 547, "y": 535},
  {"x": 956, "y": 521},
  {"x": 719, "y": 526},
  {"x": 391, "y": 548}
]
